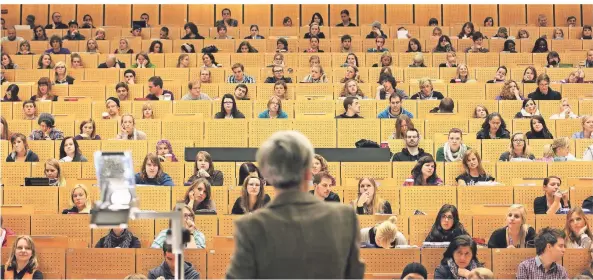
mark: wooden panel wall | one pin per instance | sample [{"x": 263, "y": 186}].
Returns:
[
  {"x": 286, "y": 10},
  {"x": 587, "y": 14},
  {"x": 13, "y": 15},
  {"x": 307, "y": 11},
  {"x": 335, "y": 17},
  {"x": 94, "y": 10},
  {"x": 423, "y": 13},
  {"x": 151, "y": 9},
  {"x": 561, "y": 12},
  {"x": 201, "y": 14},
  {"x": 257, "y": 14},
  {"x": 481, "y": 12},
  {"x": 38, "y": 10},
  {"x": 118, "y": 15},
  {"x": 236, "y": 12},
  {"x": 534, "y": 10},
  {"x": 455, "y": 14},
  {"x": 68, "y": 11},
  {"x": 401, "y": 14},
  {"x": 511, "y": 14},
  {"x": 367, "y": 13},
  {"x": 175, "y": 14}
]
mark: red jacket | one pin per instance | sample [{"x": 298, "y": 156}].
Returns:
[{"x": 8, "y": 233}]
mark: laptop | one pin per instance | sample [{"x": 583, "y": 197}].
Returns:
[
  {"x": 140, "y": 23},
  {"x": 36, "y": 181}
]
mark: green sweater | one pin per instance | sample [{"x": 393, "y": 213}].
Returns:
[{"x": 441, "y": 153}]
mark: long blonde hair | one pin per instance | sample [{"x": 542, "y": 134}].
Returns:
[
  {"x": 56, "y": 164},
  {"x": 524, "y": 226},
  {"x": 33, "y": 262},
  {"x": 377, "y": 203},
  {"x": 526, "y": 151},
  {"x": 458, "y": 76},
  {"x": 505, "y": 92},
  {"x": 550, "y": 149},
  {"x": 86, "y": 193},
  {"x": 387, "y": 231}
]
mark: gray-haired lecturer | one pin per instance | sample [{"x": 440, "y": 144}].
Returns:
[{"x": 296, "y": 235}]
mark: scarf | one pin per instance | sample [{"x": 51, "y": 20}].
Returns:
[
  {"x": 526, "y": 114},
  {"x": 123, "y": 241},
  {"x": 454, "y": 268},
  {"x": 454, "y": 156}
]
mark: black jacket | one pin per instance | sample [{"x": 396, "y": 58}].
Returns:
[
  {"x": 30, "y": 157},
  {"x": 373, "y": 35},
  {"x": 588, "y": 203},
  {"x": 498, "y": 239},
  {"x": 221, "y": 115},
  {"x": 215, "y": 179},
  {"x": 58, "y": 26},
  {"x": 135, "y": 243},
  {"x": 104, "y": 65},
  {"x": 163, "y": 270},
  {"x": 500, "y": 134},
  {"x": 332, "y": 197},
  {"x": 76, "y": 36},
  {"x": 238, "y": 210},
  {"x": 437, "y": 235},
  {"x": 405, "y": 155},
  {"x": 540, "y": 205},
  {"x": 69, "y": 81},
  {"x": 538, "y": 95},
  {"x": 271, "y": 80},
  {"x": 36, "y": 275}
]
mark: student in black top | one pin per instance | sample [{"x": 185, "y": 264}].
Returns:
[
  {"x": 248, "y": 169},
  {"x": 228, "y": 108},
  {"x": 253, "y": 197},
  {"x": 118, "y": 238},
  {"x": 278, "y": 72},
  {"x": 424, "y": 172},
  {"x": 411, "y": 152},
  {"x": 80, "y": 201},
  {"x": 352, "y": 108},
  {"x": 322, "y": 185},
  {"x": 553, "y": 200},
  {"x": 446, "y": 225},
  {"x": 376, "y": 31},
  {"x": 540, "y": 46},
  {"x": 24, "y": 264},
  {"x": 509, "y": 46},
  {"x": 199, "y": 196},
  {"x": 346, "y": 20},
  {"x": 56, "y": 18},
  {"x": 368, "y": 201},
  {"x": 494, "y": 127},
  {"x": 314, "y": 30},
  {"x": 460, "y": 258},
  {"x": 427, "y": 91},
  {"x": 73, "y": 32},
  {"x": 516, "y": 234},
  {"x": 518, "y": 149},
  {"x": 543, "y": 91},
  {"x": 474, "y": 171},
  {"x": 204, "y": 168},
  {"x": 191, "y": 31},
  {"x": 539, "y": 130}
]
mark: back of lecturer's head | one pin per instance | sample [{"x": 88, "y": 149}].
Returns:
[{"x": 285, "y": 158}]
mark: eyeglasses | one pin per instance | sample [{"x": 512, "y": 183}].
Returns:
[
  {"x": 518, "y": 140},
  {"x": 447, "y": 217},
  {"x": 278, "y": 71},
  {"x": 228, "y": 102}
]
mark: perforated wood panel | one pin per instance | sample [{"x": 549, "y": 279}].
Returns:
[
  {"x": 137, "y": 147},
  {"x": 352, "y": 130},
  {"x": 43, "y": 199},
  {"x": 312, "y": 129},
  {"x": 485, "y": 225},
  {"x": 442, "y": 126},
  {"x": 384, "y": 261},
  {"x": 378, "y": 170},
  {"x": 579, "y": 194},
  {"x": 154, "y": 198},
  {"x": 44, "y": 149},
  {"x": 506, "y": 171},
  {"x": 571, "y": 169},
  {"x": 20, "y": 224},
  {"x": 141, "y": 228},
  {"x": 469, "y": 196},
  {"x": 218, "y": 261},
  {"x": 13, "y": 173},
  {"x": 76, "y": 227},
  {"x": 426, "y": 198},
  {"x": 575, "y": 261},
  {"x": 226, "y": 133},
  {"x": 493, "y": 148},
  {"x": 203, "y": 107},
  {"x": 505, "y": 261},
  {"x": 262, "y": 129},
  {"x": 82, "y": 263},
  {"x": 207, "y": 224},
  {"x": 566, "y": 128},
  {"x": 226, "y": 225},
  {"x": 52, "y": 261}
]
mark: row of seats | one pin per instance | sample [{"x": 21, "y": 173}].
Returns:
[
  {"x": 71, "y": 263},
  {"x": 404, "y": 200},
  {"x": 395, "y": 173},
  {"x": 421, "y": 32}
]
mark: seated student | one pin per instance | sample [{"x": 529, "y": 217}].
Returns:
[
  {"x": 47, "y": 130},
  {"x": 477, "y": 47},
  {"x": 87, "y": 131},
  {"x": 528, "y": 110},
  {"x": 500, "y": 76},
  {"x": 322, "y": 185},
  {"x": 119, "y": 238},
  {"x": 274, "y": 110},
  {"x": 80, "y": 200},
  {"x": 388, "y": 87},
  {"x": 204, "y": 168},
  {"x": 198, "y": 240},
  {"x": 314, "y": 31},
  {"x": 549, "y": 247},
  {"x": 195, "y": 91},
  {"x": 152, "y": 172},
  {"x": 22, "y": 262},
  {"x": 112, "y": 104},
  {"x": 417, "y": 61},
  {"x": 12, "y": 94},
  {"x": 313, "y": 45},
  {"x": 543, "y": 90},
  {"x": 460, "y": 258},
  {"x": 553, "y": 199},
  {"x": 565, "y": 111},
  {"x": 128, "y": 130},
  {"x": 278, "y": 72},
  {"x": 319, "y": 164},
  {"x": 516, "y": 234},
  {"x": 368, "y": 201},
  {"x": 164, "y": 150},
  {"x": 376, "y": 31},
  {"x": 226, "y": 19},
  {"x": 228, "y": 108},
  {"x": 352, "y": 108},
  {"x": 143, "y": 61},
  {"x": 411, "y": 152},
  {"x": 451, "y": 61},
  {"x": 559, "y": 150},
  {"x": 199, "y": 196},
  {"x": 29, "y": 110},
  {"x": 4, "y": 233},
  {"x": 155, "y": 87},
  {"x": 248, "y": 169},
  {"x": 383, "y": 235},
  {"x": 56, "y": 46},
  {"x": 253, "y": 197},
  {"x": 539, "y": 130},
  {"x": 427, "y": 91},
  {"x": 346, "y": 20},
  {"x": 474, "y": 172},
  {"x": 70, "y": 151},
  {"x": 317, "y": 75},
  {"x": 454, "y": 149},
  {"x": 53, "y": 172},
  {"x": 379, "y": 46},
  {"x": 112, "y": 62},
  {"x": 578, "y": 230},
  {"x": 424, "y": 173},
  {"x": 394, "y": 109},
  {"x": 166, "y": 270},
  {"x": 518, "y": 149},
  {"x": 587, "y": 124},
  {"x": 493, "y": 127},
  {"x": 239, "y": 76},
  {"x": 20, "y": 150},
  {"x": 44, "y": 92},
  {"x": 351, "y": 89},
  {"x": 414, "y": 270},
  {"x": 446, "y": 225}
]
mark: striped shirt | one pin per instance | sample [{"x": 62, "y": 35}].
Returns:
[
  {"x": 534, "y": 269},
  {"x": 246, "y": 80}
]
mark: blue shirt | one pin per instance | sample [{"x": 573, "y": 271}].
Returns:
[
  {"x": 62, "y": 51},
  {"x": 266, "y": 115},
  {"x": 580, "y": 135},
  {"x": 159, "y": 240}
]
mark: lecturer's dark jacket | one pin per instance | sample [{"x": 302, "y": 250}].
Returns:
[{"x": 297, "y": 236}]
